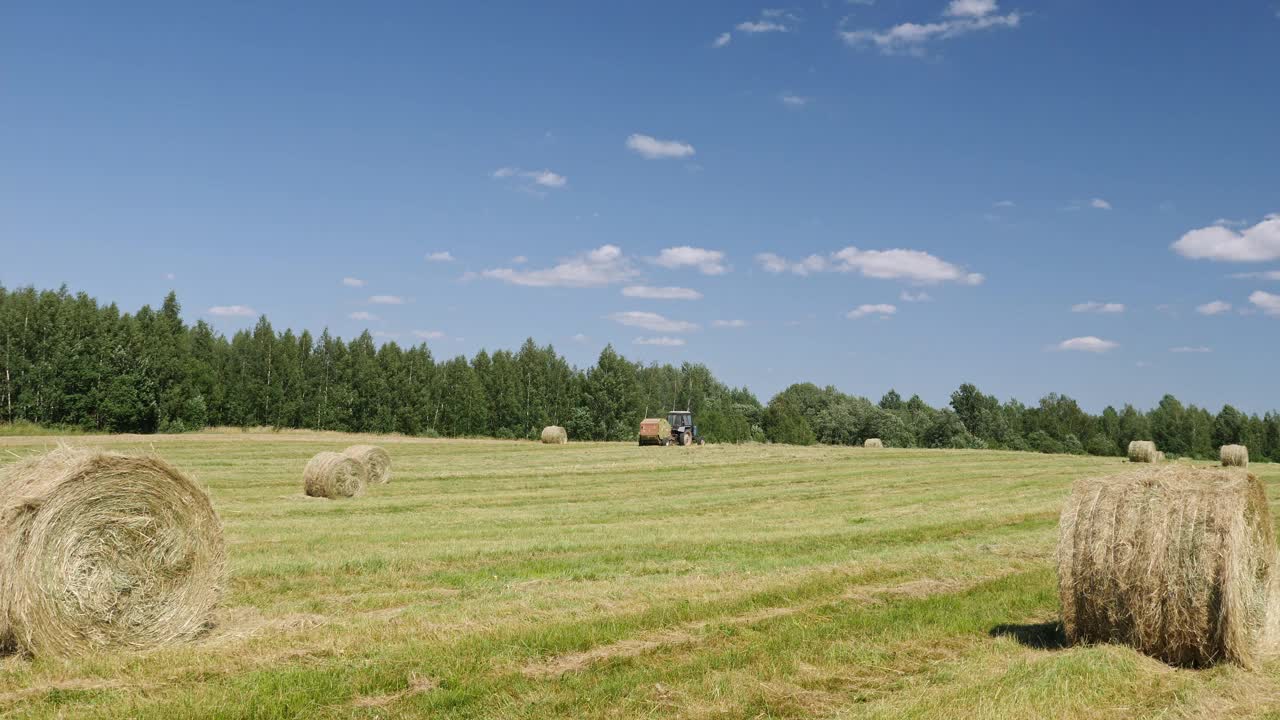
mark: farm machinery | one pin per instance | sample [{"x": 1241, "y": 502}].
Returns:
[{"x": 676, "y": 428}]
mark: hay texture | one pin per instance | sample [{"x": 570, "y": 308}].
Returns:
[
  {"x": 1235, "y": 456},
  {"x": 1175, "y": 561},
  {"x": 554, "y": 435},
  {"x": 376, "y": 462},
  {"x": 102, "y": 551},
  {"x": 1142, "y": 451},
  {"x": 334, "y": 475},
  {"x": 872, "y": 443}
]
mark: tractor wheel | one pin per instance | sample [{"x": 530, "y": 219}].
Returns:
[{"x": 686, "y": 439}]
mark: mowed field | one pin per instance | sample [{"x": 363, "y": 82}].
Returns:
[{"x": 515, "y": 580}]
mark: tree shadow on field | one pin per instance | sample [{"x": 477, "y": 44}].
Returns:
[{"x": 1041, "y": 636}]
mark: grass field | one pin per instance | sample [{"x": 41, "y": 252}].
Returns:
[{"x": 515, "y": 580}]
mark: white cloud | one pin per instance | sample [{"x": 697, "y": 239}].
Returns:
[
  {"x": 442, "y": 256},
  {"x": 793, "y": 100},
  {"x": 1099, "y": 204},
  {"x": 722, "y": 39},
  {"x": 1268, "y": 275},
  {"x": 708, "y": 262},
  {"x": 362, "y": 315},
  {"x": 519, "y": 260},
  {"x": 386, "y": 300},
  {"x": 660, "y": 341},
  {"x": 1227, "y": 222},
  {"x": 1094, "y": 306},
  {"x": 960, "y": 18},
  {"x": 862, "y": 311},
  {"x": 1004, "y": 204},
  {"x": 428, "y": 334},
  {"x": 606, "y": 265},
  {"x": 170, "y": 276},
  {"x": 353, "y": 282},
  {"x": 752, "y": 27},
  {"x": 1217, "y": 307},
  {"x": 1266, "y": 302},
  {"x": 1088, "y": 344},
  {"x": 1190, "y": 349},
  {"x": 652, "y": 321},
  {"x": 908, "y": 296},
  {"x": 232, "y": 311},
  {"x": 1259, "y": 243},
  {"x": 913, "y": 266},
  {"x": 580, "y": 338},
  {"x": 543, "y": 178},
  {"x": 652, "y": 148},
  {"x": 661, "y": 293},
  {"x": 729, "y": 323}
]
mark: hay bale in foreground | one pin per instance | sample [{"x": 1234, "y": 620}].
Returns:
[
  {"x": 100, "y": 550},
  {"x": 1234, "y": 456},
  {"x": 872, "y": 443},
  {"x": 1175, "y": 561},
  {"x": 376, "y": 462},
  {"x": 1142, "y": 451},
  {"x": 334, "y": 475},
  {"x": 554, "y": 435}
]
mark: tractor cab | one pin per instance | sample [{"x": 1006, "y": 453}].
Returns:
[{"x": 683, "y": 431}]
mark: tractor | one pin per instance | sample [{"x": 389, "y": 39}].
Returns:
[{"x": 676, "y": 429}]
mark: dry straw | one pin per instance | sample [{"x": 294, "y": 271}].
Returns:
[
  {"x": 1175, "y": 561},
  {"x": 376, "y": 462},
  {"x": 334, "y": 475},
  {"x": 872, "y": 443},
  {"x": 1235, "y": 456},
  {"x": 554, "y": 435},
  {"x": 1142, "y": 451},
  {"x": 100, "y": 550}
]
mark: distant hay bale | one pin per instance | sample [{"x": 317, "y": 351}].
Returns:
[
  {"x": 1175, "y": 561},
  {"x": 554, "y": 435},
  {"x": 1142, "y": 451},
  {"x": 334, "y": 475},
  {"x": 872, "y": 443},
  {"x": 101, "y": 551},
  {"x": 376, "y": 461},
  {"x": 1235, "y": 456}
]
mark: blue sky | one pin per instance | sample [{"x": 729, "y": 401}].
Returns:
[{"x": 1035, "y": 197}]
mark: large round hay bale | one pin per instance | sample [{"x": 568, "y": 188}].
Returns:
[
  {"x": 376, "y": 461},
  {"x": 872, "y": 443},
  {"x": 1235, "y": 456},
  {"x": 1142, "y": 451},
  {"x": 554, "y": 435},
  {"x": 1173, "y": 560},
  {"x": 100, "y": 551},
  {"x": 334, "y": 475}
]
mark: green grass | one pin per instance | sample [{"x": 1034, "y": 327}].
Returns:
[{"x": 515, "y": 580}]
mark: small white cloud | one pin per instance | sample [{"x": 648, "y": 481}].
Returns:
[
  {"x": 232, "y": 311},
  {"x": 1004, "y": 204},
  {"x": 606, "y": 265},
  {"x": 729, "y": 323},
  {"x": 428, "y": 334},
  {"x": 792, "y": 100},
  {"x": 661, "y": 293},
  {"x": 908, "y": 296},
  {"x": 1227, "y": 222},
  {"x": 960, "y": 18},
  {"x": 883, "y": 310},
  {"x": 660, "y": 341},
  {"x": 752, "y": 27},
  {"x": 1260, "y": 243},
  {"x": 580, "y": 338},
  {"x": 652, "y": 148},
  {"x": 1217, "y": 307},
  {"x": 542, "y": 178},
  {"x": 519, "y": 260},
  {"x": 707, "y": 262},
  {"x": 353, "y": 282},
  {"x": 170, "y": 276},
  {"x": 722, "y": 40},
  {"x": 1099, "y": 204},
  {"x": 1266, "y": 302},
  {"x": 1088, "y": 344},
  {"x": 652, "y": 321},
  {"x": 1094, "y": 306},
  {"x": 1268, "y": 275},
  {"x": 362, "y": 315},
  {"x": 912, "y": 266},
  {"x": 386, "y": 300},
  {"x": 1191, "y": 349},
  {"x": 441, "y": 256}
]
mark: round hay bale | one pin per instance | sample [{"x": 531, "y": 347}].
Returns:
[
  {"x": 1176, "y": 561},
  {"x": 554, "y": 435},
  {"x": 100, "y": 551},
  {"x": 1142, "y": 451},
  {"x": 334, "y": 475},
  {"x": 1235, "y": 456},
  {"x": 872, "y": 443},
  {"x": 376, "y": 461}
]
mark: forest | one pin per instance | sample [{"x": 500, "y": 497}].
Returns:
[{"x": 72, "y": 362}]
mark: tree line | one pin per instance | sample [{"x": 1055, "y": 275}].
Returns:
[{"x": 71, "y": 361}]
